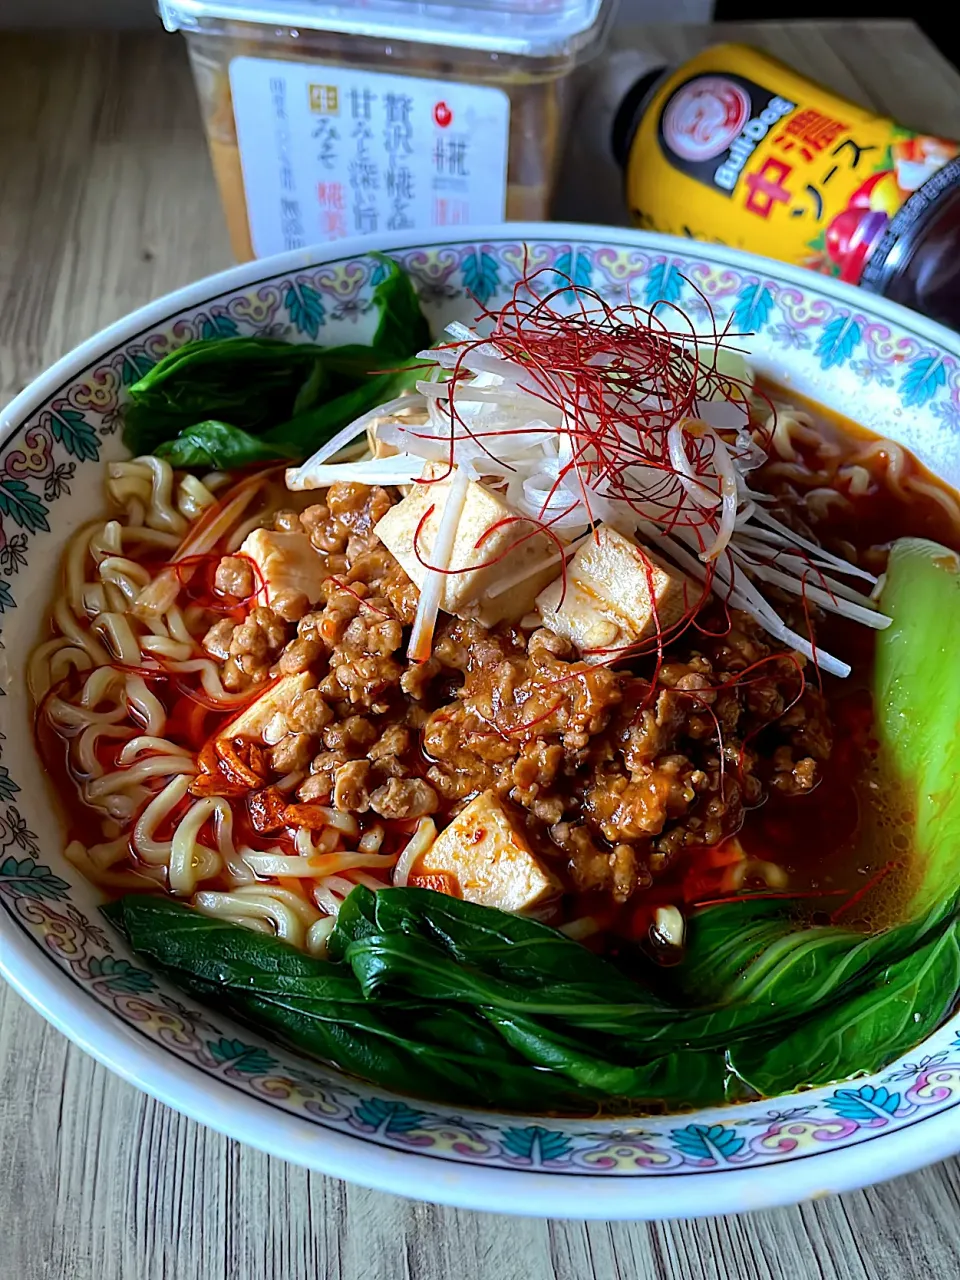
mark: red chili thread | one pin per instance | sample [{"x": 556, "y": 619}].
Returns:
[
  {"x": 618, "y": 378},
  {"x": 862, "y": 892},
  {"x": 785, "y": 895},
  {"x": 530, "y": 724},
  {"x": 357, "y": 596}
]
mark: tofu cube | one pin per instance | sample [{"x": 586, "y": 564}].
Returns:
[
  {"x": 287, "y": 563},
  {"x": 612, "y": 583},
  {"x": 489, "y": 860},
  {"x": 379, "y": 448},
  {"x": 264, "y": 720},
  {"x": 478, "y": 568}
]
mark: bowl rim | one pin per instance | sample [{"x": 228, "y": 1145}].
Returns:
[
  {"x": 262, "y": 270},
  {"x": 212, "y": 1102},
  {"x": 189, "y": 1090}
]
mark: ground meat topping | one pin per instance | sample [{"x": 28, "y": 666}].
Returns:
[
  {"x": 616, "y": 769},
  {"x": 308, "y": 713},
  {"x": 247, "y": 649},
  {"x": 350, "y": 790},
  {"x": 292, "y": 753},
  {"x": 792, "y": 777},
  {"x": 350, "y": 513},
  {"x": 404, "y": 798},
  {"x": 234, "y": 577},
  {"x": 217, "y": 640},
  {"x": 259, "y": 639}
]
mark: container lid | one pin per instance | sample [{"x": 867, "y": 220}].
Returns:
[{"x": 526, "y": 28}]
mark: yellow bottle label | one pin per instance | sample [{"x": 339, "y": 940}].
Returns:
[{"x": 737, "y": 148}]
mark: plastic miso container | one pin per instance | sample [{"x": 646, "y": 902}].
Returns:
[{"x": 328, "y": 120}]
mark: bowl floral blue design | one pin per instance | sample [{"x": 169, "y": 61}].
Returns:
[{"x": 896, "y": 373}]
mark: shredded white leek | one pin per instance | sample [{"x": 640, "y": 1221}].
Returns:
[
  {"x": 296, "y": 477},
  {"x": 497, "y": 424},
  {"x": 399, "y": 468},
  {"x": 431, "y": 593}
]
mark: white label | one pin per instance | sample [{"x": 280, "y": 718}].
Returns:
[{"x": 329, "y": 152}]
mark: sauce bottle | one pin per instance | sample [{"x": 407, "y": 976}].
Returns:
[{"x": 736, "y": 148}]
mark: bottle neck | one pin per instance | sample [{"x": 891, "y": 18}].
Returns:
[
  {"x": 913, "y": 222},
  {"x": 923, "y": 269}
]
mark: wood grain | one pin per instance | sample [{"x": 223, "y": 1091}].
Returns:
[
  {"x": 106, "y": 194},
  {"x": 106, "y": 201}
]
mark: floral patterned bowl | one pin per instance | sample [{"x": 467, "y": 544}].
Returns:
[{"x": 895, "y": 372}]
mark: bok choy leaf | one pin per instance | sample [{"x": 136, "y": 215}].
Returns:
[
  {"x": 236, "y": 401},
  {"x": 917, "y": 698}
]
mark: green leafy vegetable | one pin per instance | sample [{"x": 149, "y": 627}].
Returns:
[
  {"x": 309, "y": 395},
  {"x": 431, "y": 946},
  {"x": 402, "y": 324},
  {"x": 779, "y": 972},
  {"x": 499, "y": 943},
  {"x": 218, "y": 952},
  {"x": 424, "y": 1048},
  {"x": 368, "y": 1046},
  {"x": 906, "y": 1001},
  {"x": 426, "y": 1051},
  {"x": 232, "y": 402},
  {"x": 918, "y": 702},
  {"x": 554, "y": 1002},
  {"x": 423, "y": 970},
  {"x": 309, "y": 429},
  {"x": 249, "y": 383},
  {"x": 218, "y": 445},
  {"x": 690, "y": 1077}
]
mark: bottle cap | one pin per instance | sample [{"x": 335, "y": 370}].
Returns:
[{"x": 631, "y": 108}]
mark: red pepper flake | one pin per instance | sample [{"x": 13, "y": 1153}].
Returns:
[
  {"x": 312, "y": 816},
  {"x": 223, "y": 771},
  {"x": 215, "y": 784},
  {"x": 207, "y": 759},
  {"x": 237, "y": 759},
  {"x": 267, "y": 810}
]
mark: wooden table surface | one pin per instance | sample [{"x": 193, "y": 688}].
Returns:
[{"x": 107, "y": 201}]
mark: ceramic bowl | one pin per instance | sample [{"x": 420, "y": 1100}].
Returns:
[{"x": 893, "y": 371}]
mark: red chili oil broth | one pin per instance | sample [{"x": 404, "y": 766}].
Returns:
[
  {"x": 846, "y": 846},
  {"x": 853, "y": 829},
  {"x": 831, "y": 843}
]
